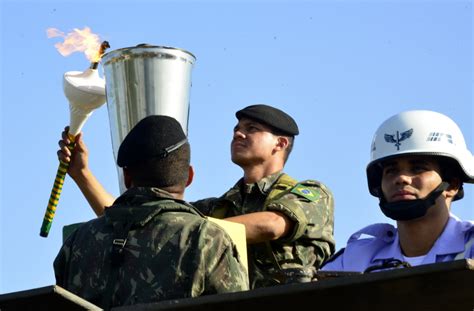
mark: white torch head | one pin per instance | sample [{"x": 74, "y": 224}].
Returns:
[{"x": 85, "y": 91}]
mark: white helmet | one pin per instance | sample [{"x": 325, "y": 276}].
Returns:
[{"x": 418, "y": 132}]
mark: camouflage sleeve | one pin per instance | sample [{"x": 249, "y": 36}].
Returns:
[
  {"x": 292, "y": 207},
  {"x": 310, "y": 205},
  {"x": 225, "y": 272},
  {"x": 205, "y": 206}
]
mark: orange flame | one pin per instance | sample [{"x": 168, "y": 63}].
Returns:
[{"x": 77, "y": 41}]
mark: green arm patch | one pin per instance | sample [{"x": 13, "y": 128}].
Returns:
[{"x": 306, "y": 192}]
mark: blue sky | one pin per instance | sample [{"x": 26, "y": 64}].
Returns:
[{"x": 340, "y": 68}]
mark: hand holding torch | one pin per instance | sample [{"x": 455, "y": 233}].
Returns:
[{"x": 85, "y": 92}]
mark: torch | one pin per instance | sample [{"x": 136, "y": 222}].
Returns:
[{"x": 85, "y": 92}]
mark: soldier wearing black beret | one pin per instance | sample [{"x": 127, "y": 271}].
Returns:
[
  {"x": 148, "y": 245},
  {"x": 155, "y": 144},
  {"x": 280, "y": 122},
  {"x": 289, "y": 224}
]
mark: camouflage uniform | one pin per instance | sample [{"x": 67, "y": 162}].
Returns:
[
  {"x": 171, "y": 252},
  {"x": 295, "y": 257}
]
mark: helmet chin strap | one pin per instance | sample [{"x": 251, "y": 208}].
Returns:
[{"x": 411, "y": 209}]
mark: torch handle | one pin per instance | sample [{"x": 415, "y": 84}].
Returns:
[{"x": 55, "y": 193}]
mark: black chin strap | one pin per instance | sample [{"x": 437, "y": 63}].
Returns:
[{"x": 411, "y": 209}]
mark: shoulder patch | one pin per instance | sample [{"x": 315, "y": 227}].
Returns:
[{"x": 305, "y": 192}]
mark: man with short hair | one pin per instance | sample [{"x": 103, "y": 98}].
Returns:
[
  {"x": 419, "y": 162},
  {"x": 289, "y": 224},
  {"x": 150, "y": 245}
]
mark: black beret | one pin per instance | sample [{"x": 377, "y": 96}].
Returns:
[
  {"x": 153, "y": 137},
  {"x": 273, "y": 117}
]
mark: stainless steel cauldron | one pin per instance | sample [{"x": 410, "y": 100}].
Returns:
[{"x": 145, "y": 80}]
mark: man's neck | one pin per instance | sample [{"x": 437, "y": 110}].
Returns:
[
  {"x": 176, "y": 192},
  {"x": 418, "y": 236},
  {"x": 256, "y": 173}
]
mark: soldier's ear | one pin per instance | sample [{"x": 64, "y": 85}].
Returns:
[
  {"x": 190, "y": 176},
  {"x": 453, "y": 189},
  {"x": 282, "y": 143}
]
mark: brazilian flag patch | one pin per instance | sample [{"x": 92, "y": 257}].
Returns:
[{"x": 305, "y": 192}]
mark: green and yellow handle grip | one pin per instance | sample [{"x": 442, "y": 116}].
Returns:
[{"x": 56, "y": 192}]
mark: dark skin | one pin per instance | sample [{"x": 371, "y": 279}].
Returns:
[
  {"x": 176, "y": 191},
  {"x": 414, "y": 177}
]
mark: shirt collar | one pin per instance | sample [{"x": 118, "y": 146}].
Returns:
[
  {"x": 265, "y": 184},
  {"x": 138, "y": 195},
  {"x": 451, "y": 241}
]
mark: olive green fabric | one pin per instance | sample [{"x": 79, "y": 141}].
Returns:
[
  {"x": 171, "y": 252},
  {"x": 296, "y": 256}
]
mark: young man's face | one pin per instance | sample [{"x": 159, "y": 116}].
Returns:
[
  {"x": 409, "y": 178},
  {"x": 253, "y": 143}
]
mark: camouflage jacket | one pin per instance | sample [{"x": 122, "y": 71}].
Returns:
[
  {"x": 295, "y": 257},
  {"x": 171, "y": 252}
]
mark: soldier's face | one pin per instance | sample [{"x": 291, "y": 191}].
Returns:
[
  {"x": 252, "y": 143},
  {"x": 410, "y": 178}
]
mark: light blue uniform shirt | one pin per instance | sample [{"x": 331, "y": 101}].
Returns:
[{"x": 382, "y": 244}]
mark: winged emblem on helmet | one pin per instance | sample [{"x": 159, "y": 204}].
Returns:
[{"x": 398, "y": 137}]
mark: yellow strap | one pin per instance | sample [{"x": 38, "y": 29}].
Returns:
[{"x": 283, "y": 183}]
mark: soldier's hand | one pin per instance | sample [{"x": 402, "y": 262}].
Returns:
[{"x": 77, "y": 158}]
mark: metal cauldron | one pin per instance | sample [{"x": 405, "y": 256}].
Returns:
[{"x": 145, "y": 80}]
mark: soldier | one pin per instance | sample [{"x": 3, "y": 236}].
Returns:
[
  {"x": 289, "y": 224},
  {"x": 150, "y": 245},
  {"x": 419, "y": 161}
]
